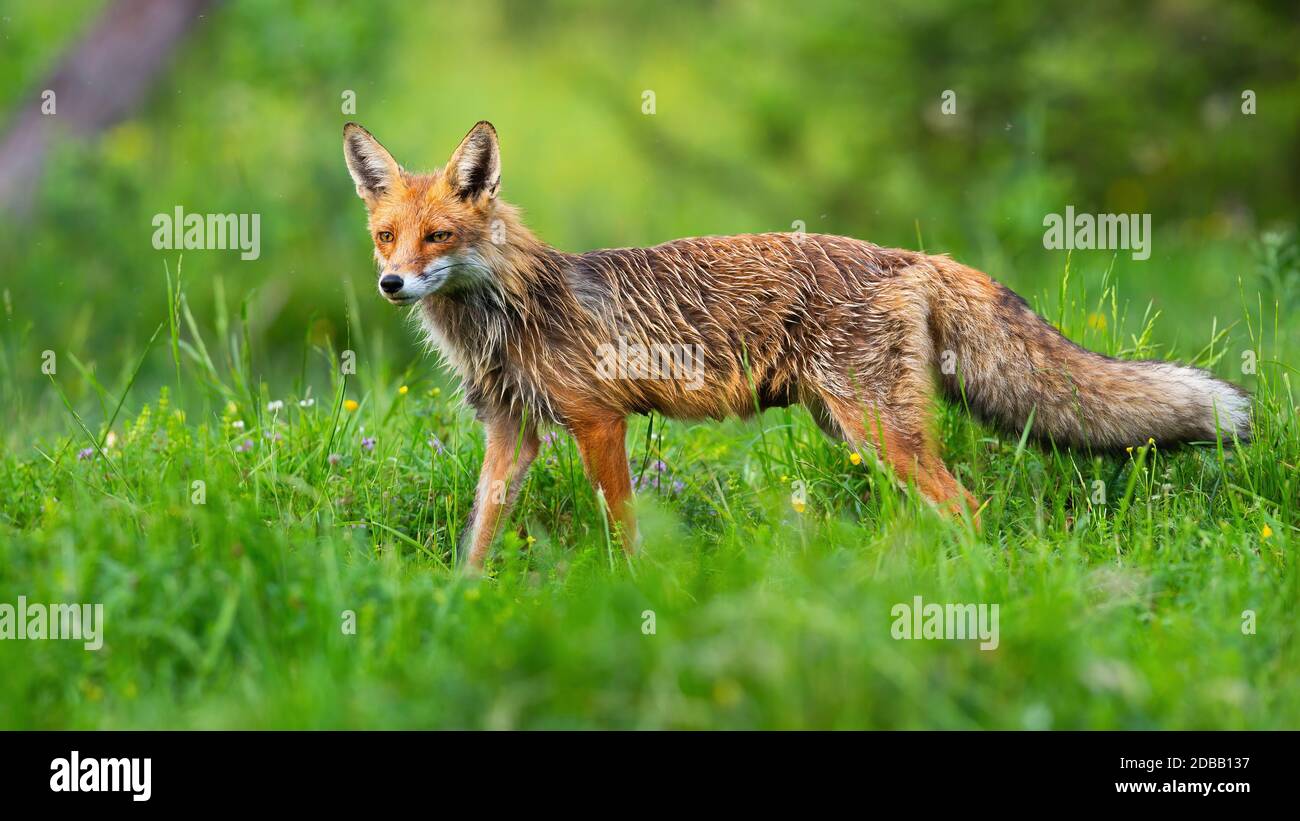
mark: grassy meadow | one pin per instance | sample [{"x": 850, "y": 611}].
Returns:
[{"x": 273, "y": 539}]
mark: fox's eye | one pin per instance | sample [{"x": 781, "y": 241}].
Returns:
[
  {"x": 437, "y": 236},
  {"x": 385, "y": 236}
]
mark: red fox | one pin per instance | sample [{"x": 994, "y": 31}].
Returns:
[{"x": 853, "y": 332}]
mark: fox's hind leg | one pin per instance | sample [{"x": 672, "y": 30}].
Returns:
[
  {"x": 603, "y": 446},
  {"x": 906, "y": 447}
]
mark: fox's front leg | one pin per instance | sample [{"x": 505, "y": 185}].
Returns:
[
  {"x": 604, "y": 455},
  {"x": 511, "y": 447}
]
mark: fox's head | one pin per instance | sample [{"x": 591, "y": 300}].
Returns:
[{"x": 432, "y": 232}]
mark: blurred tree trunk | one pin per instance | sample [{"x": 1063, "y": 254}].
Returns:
[{"x": 100, "y": 80}]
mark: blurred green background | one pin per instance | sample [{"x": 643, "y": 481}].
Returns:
[{"x": 765, "y": 114}]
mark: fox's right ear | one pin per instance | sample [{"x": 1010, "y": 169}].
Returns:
[{"x": 373, "y": 169}]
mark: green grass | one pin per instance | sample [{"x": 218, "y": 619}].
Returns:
[{"x": 1123, "y": 613}]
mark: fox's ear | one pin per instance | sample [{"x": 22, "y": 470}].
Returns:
[
  {"x": 373, "y": 169},
  {"x": 475, "y": 165}
]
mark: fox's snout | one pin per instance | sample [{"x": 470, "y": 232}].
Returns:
[
  {"x": 403, "y": 284},
  {"x": 399, "y": 287}
]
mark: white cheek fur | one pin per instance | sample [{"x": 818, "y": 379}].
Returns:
[{"x": 460, "y": 266}]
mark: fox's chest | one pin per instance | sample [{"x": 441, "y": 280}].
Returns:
[{"x": 492, "y": 362}]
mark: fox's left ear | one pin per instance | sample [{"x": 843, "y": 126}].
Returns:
[{"x": 475, "y": 165}]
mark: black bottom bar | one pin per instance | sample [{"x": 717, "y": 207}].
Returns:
[{"x": 334, "y": 770}]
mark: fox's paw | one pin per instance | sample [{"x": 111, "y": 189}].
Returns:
[{"x": 963, "y": 505}]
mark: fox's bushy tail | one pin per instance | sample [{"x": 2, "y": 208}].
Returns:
[{"x": 1009, "y": 361}]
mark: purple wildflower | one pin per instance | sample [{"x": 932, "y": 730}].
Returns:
[
  {"x": 368, "y": 442},
  {"x": 644, "y": 482},
  {"x": 85, "y": 453},
  {"x": 244, "y": 446}
]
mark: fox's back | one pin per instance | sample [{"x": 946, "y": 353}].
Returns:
[
  {"x": 778, "y": 304},
  {"x": 750, "y": 267},
  {"x": 741, "y": 286}
]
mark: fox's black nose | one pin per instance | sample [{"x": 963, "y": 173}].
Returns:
[{"x": 390, "y": 283}]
